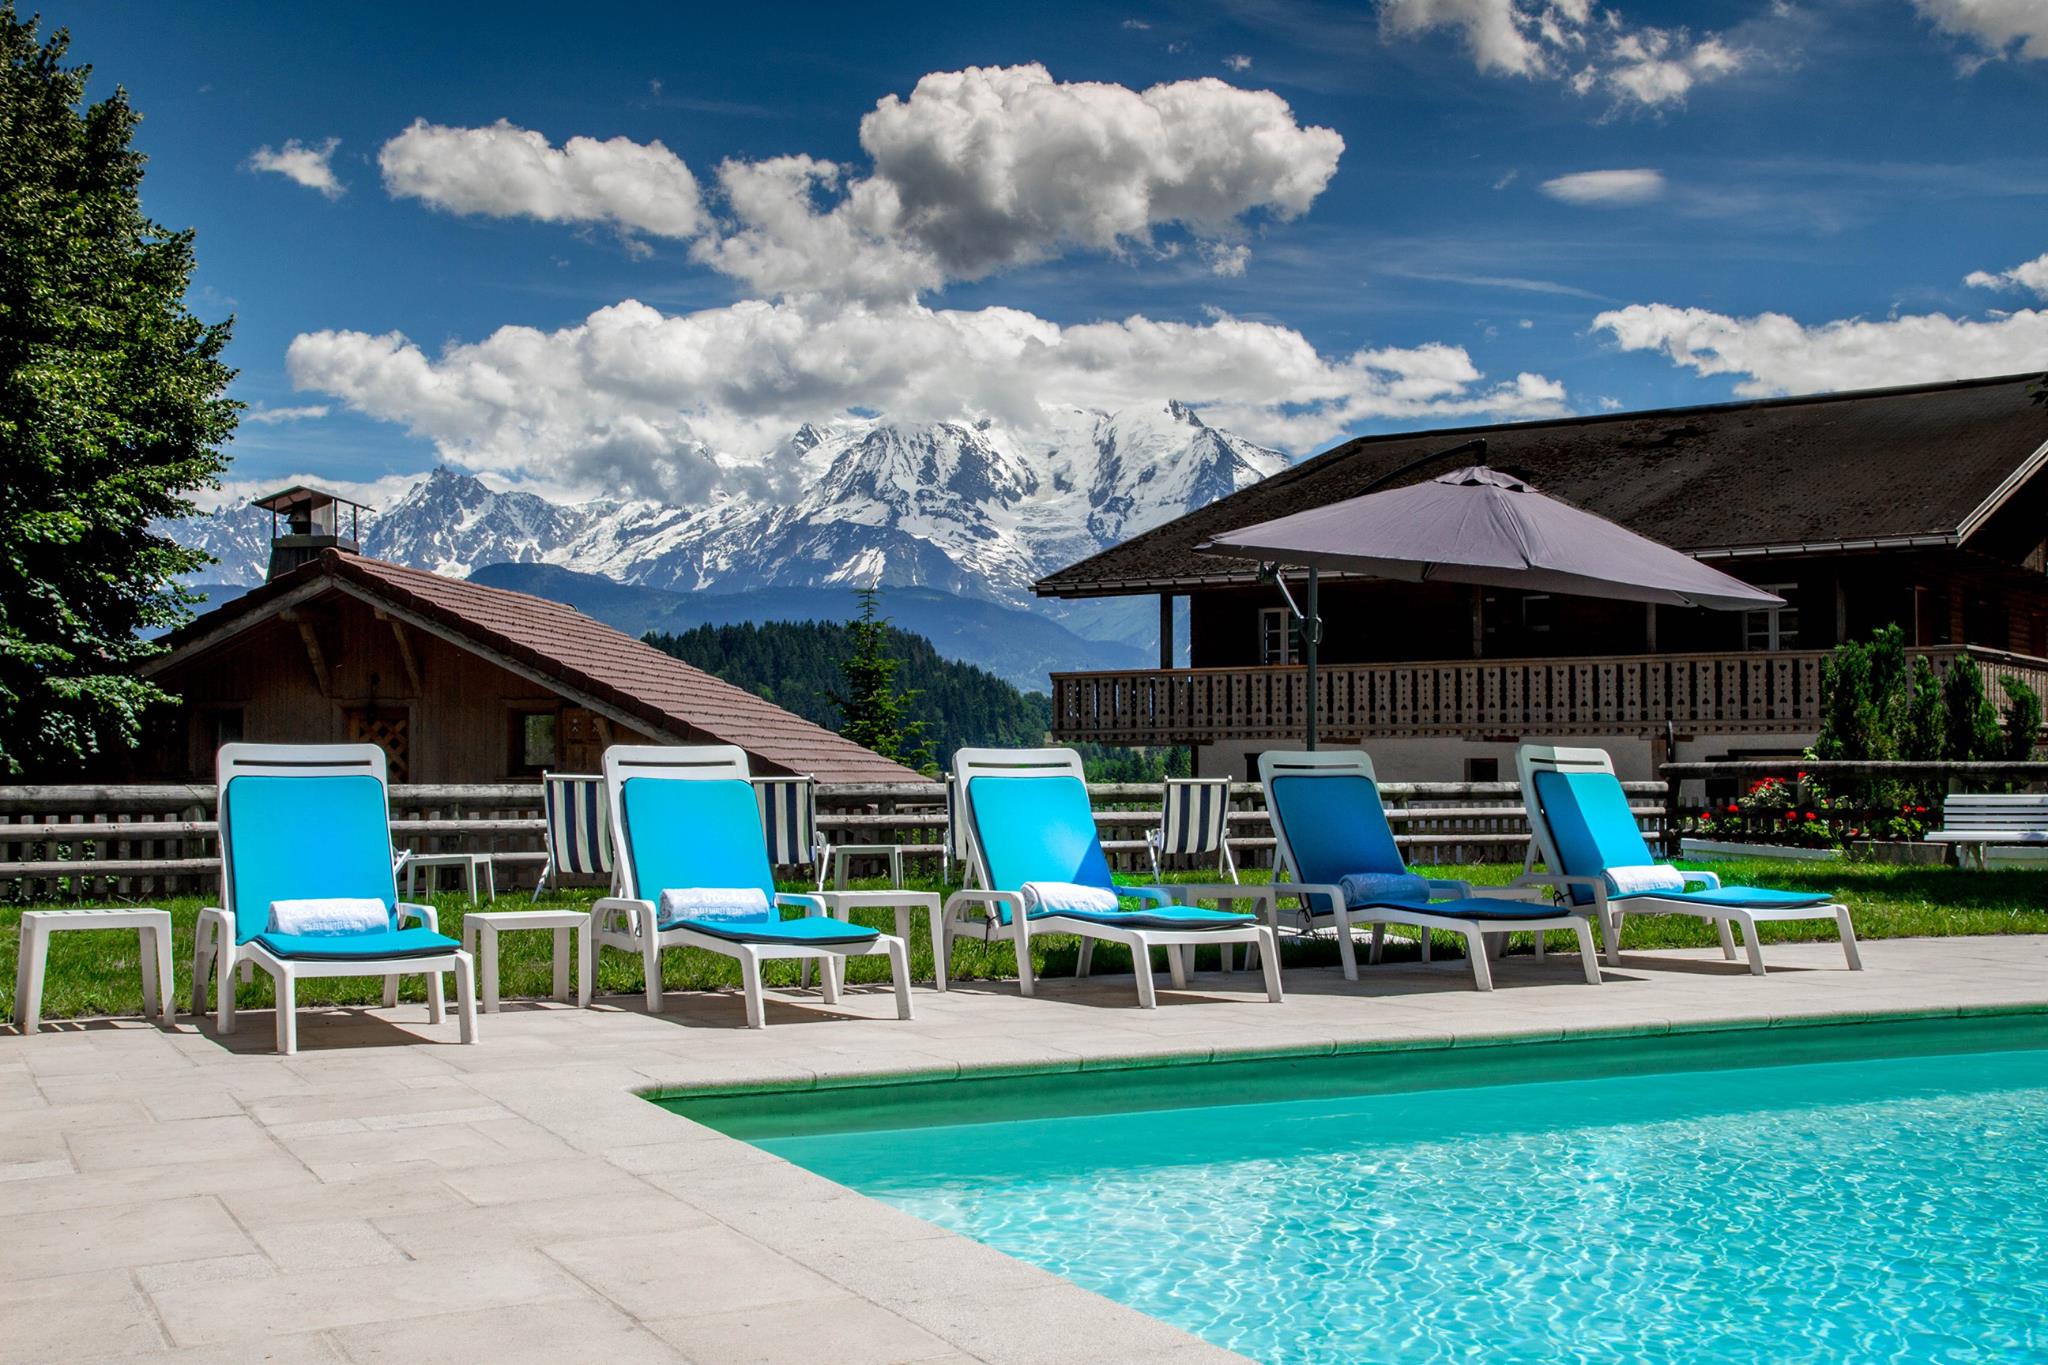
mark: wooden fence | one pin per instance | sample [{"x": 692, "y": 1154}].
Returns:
[{"x": 81, "y": 842}]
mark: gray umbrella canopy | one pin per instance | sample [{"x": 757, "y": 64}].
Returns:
[{"x": 1477, "y": 525}]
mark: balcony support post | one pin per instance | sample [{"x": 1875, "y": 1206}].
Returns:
[
  {"x": 1166, "y": 630},
  {"x": 1311, "y": 637}
]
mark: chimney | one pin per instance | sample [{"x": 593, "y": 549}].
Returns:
[{"x": 304, "y": 521}]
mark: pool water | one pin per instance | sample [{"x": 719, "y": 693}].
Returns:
[{"x": 1872, "y": 1209}]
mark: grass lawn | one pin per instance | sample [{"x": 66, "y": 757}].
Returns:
[{"x": 97, "y": 973}]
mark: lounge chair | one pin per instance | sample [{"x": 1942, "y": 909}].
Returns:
[
  {"x": 1594, "y": 854},
  {"x": 1033, "y": 852},
  {"x": 579, "y": 836},
  {"x": 685, "y": 818},
  {"x": 1331, "y": 826},
  {"x": 312, "y": 823}
]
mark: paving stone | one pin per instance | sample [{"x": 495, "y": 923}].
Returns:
[
  {"x": 842, "y": 1329},
  {"x": 327, "y": 1245},
  {"x": 311, "y": 1300},
  {"x": 702, "y": 1270},
  {"x": 63, "y": 1316},
  {"x": 522, "y": 1334},
  {"x": 70, "y": 1240}
]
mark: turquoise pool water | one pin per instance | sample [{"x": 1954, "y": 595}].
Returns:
[{"x": 1876, "y": 1209}]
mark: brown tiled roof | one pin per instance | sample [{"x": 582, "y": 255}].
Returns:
[
  {"x": 1888, "y": 465},
  {"x": 569, "y": 649}
]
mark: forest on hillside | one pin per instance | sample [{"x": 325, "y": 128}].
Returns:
[{"x": 796, "y": 665}]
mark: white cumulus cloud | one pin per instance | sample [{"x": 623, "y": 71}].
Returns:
[
  {"x": 2031, "y": 275},
  {"x": 305, "y": 163},
  {"x": 1999, "y": 28},
  {"x": 1776, "y": 354},
  {"x": 509, "y": 172},
  {"x": 268, "y": 417},
  {"x": 1605, "y": 188},
  {"x": 683, "y": 406},
  {"x": 1591, "y": 51}
]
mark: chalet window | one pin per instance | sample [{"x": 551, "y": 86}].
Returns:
[
  {"x": 1773, "y": 627},
  {"x": 1539, "y": 612},
  {"x": 536, "y": 741},
  {"x": 1482, "y": 770},
  {"x": 227, "y": 725},
  {"x": 1279, "y": 639}
]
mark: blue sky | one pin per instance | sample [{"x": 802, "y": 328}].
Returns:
[{"x": 1826, "y": 161}]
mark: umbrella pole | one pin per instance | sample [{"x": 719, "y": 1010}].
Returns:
[{"x": 1312, "y": 635}]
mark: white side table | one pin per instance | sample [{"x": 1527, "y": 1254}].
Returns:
[
  {"x": 490, "y": 923},
  {"x": 153, "y": 929},
  {"x": 470, "y": 864},
  {"x": 841, "y": 852}
]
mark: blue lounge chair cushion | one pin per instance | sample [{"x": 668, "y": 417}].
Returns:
[
  {"x": 1475, "y": 907},
  {"x": 1737, "y": 897},
  {"x": 1036, "y": 829},
  {"x": 358, "y": 947},
  {"x": 695, "y": 832},
  {"x": 1592, "y": 826},
  {"x": 1187, "y": 917},
  {"x": 815, "y": 931},
  {"x": 294, "y": 837}
]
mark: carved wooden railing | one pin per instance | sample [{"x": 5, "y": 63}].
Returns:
[{"x": 1747, "y": 693}]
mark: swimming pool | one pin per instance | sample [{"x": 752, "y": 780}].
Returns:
[{"x": 1882, "y": 1198}]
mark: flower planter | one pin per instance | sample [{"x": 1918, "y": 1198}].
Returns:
[
  {"x": 1909, "y": 852},
  {"x": 1712, "y": 850}
]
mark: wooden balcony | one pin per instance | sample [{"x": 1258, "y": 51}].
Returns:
[{"x": 1776, "y": 693}]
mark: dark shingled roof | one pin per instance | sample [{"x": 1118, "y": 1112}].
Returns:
[
  {"x": 560, "y": 644},
  {"x": 1918, "y": 465}
]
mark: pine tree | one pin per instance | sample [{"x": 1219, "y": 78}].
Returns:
[
  {"x": 111, "y": 411},
  {"x": 873, "y": 713}
]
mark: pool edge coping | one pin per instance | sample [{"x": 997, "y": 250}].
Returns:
[{"x": 661, "y": 1093}]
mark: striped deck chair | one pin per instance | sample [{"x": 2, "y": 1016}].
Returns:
[
  {"x": 1194, "y": 816},
  {"x": 579, "y": 834},
  {"x": 789, "y": 820}
]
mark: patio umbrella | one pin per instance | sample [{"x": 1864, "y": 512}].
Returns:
[{"x": 1478, "y": 525}]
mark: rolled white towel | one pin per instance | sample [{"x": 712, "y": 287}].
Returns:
[
  {"x": 339, "y": 915},
  {"x": 715, "y": 903},
  {"x": 1384, "y": 888},
  {"x": 1057, "y": 896},
  {"x": 1633, "y": 881}
]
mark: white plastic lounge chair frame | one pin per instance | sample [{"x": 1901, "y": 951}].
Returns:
[
  {"x": 1194, "y": 818},
  {"x": 974, "y": 910},
  {"x": 1480, "y": 935},
  {"x": 216, "y": 948},
  {"x": 630, "y": 921},
  {"x": 1532, "y": 759},
  {"x": 578, "y": 837}
]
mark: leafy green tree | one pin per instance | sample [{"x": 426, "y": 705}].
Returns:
[
  {"x": 1922, "y": 736},
  {"x": 1863, "y": 692},
  {"x": 2022, "y": 719},
  {"x": 111, "y": 411},
  {"x": 1969, "y": 720}
]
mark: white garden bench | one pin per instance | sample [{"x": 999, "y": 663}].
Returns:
[{"x": 1975, "y": 823}]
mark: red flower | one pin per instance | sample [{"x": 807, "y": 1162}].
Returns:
[
  {"x": 1734, "y": 809},
  {"x": 1809, "y": 815},
  {"x": 1791, "y": 815},
  {"x": 1802, "y": 777}
]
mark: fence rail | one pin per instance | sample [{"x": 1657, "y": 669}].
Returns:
[{"x": 74, "y": 842}]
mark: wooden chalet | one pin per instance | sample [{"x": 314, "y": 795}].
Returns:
[
  {"x": 458, "y": 682},
  {"x": 1925, "y": 505}
]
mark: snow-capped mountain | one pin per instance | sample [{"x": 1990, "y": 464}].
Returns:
[{"x": 969, "y": 508}]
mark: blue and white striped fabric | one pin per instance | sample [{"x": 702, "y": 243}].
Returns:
[
  {"x": 579, "y": 834},
  {"x": 1194, "y": 819},
  {"x": 789, "y": 820},
  {"x": 579, "y": 826}
]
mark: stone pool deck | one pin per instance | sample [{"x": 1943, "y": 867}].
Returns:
[{"x": 388, "y": 1195}]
